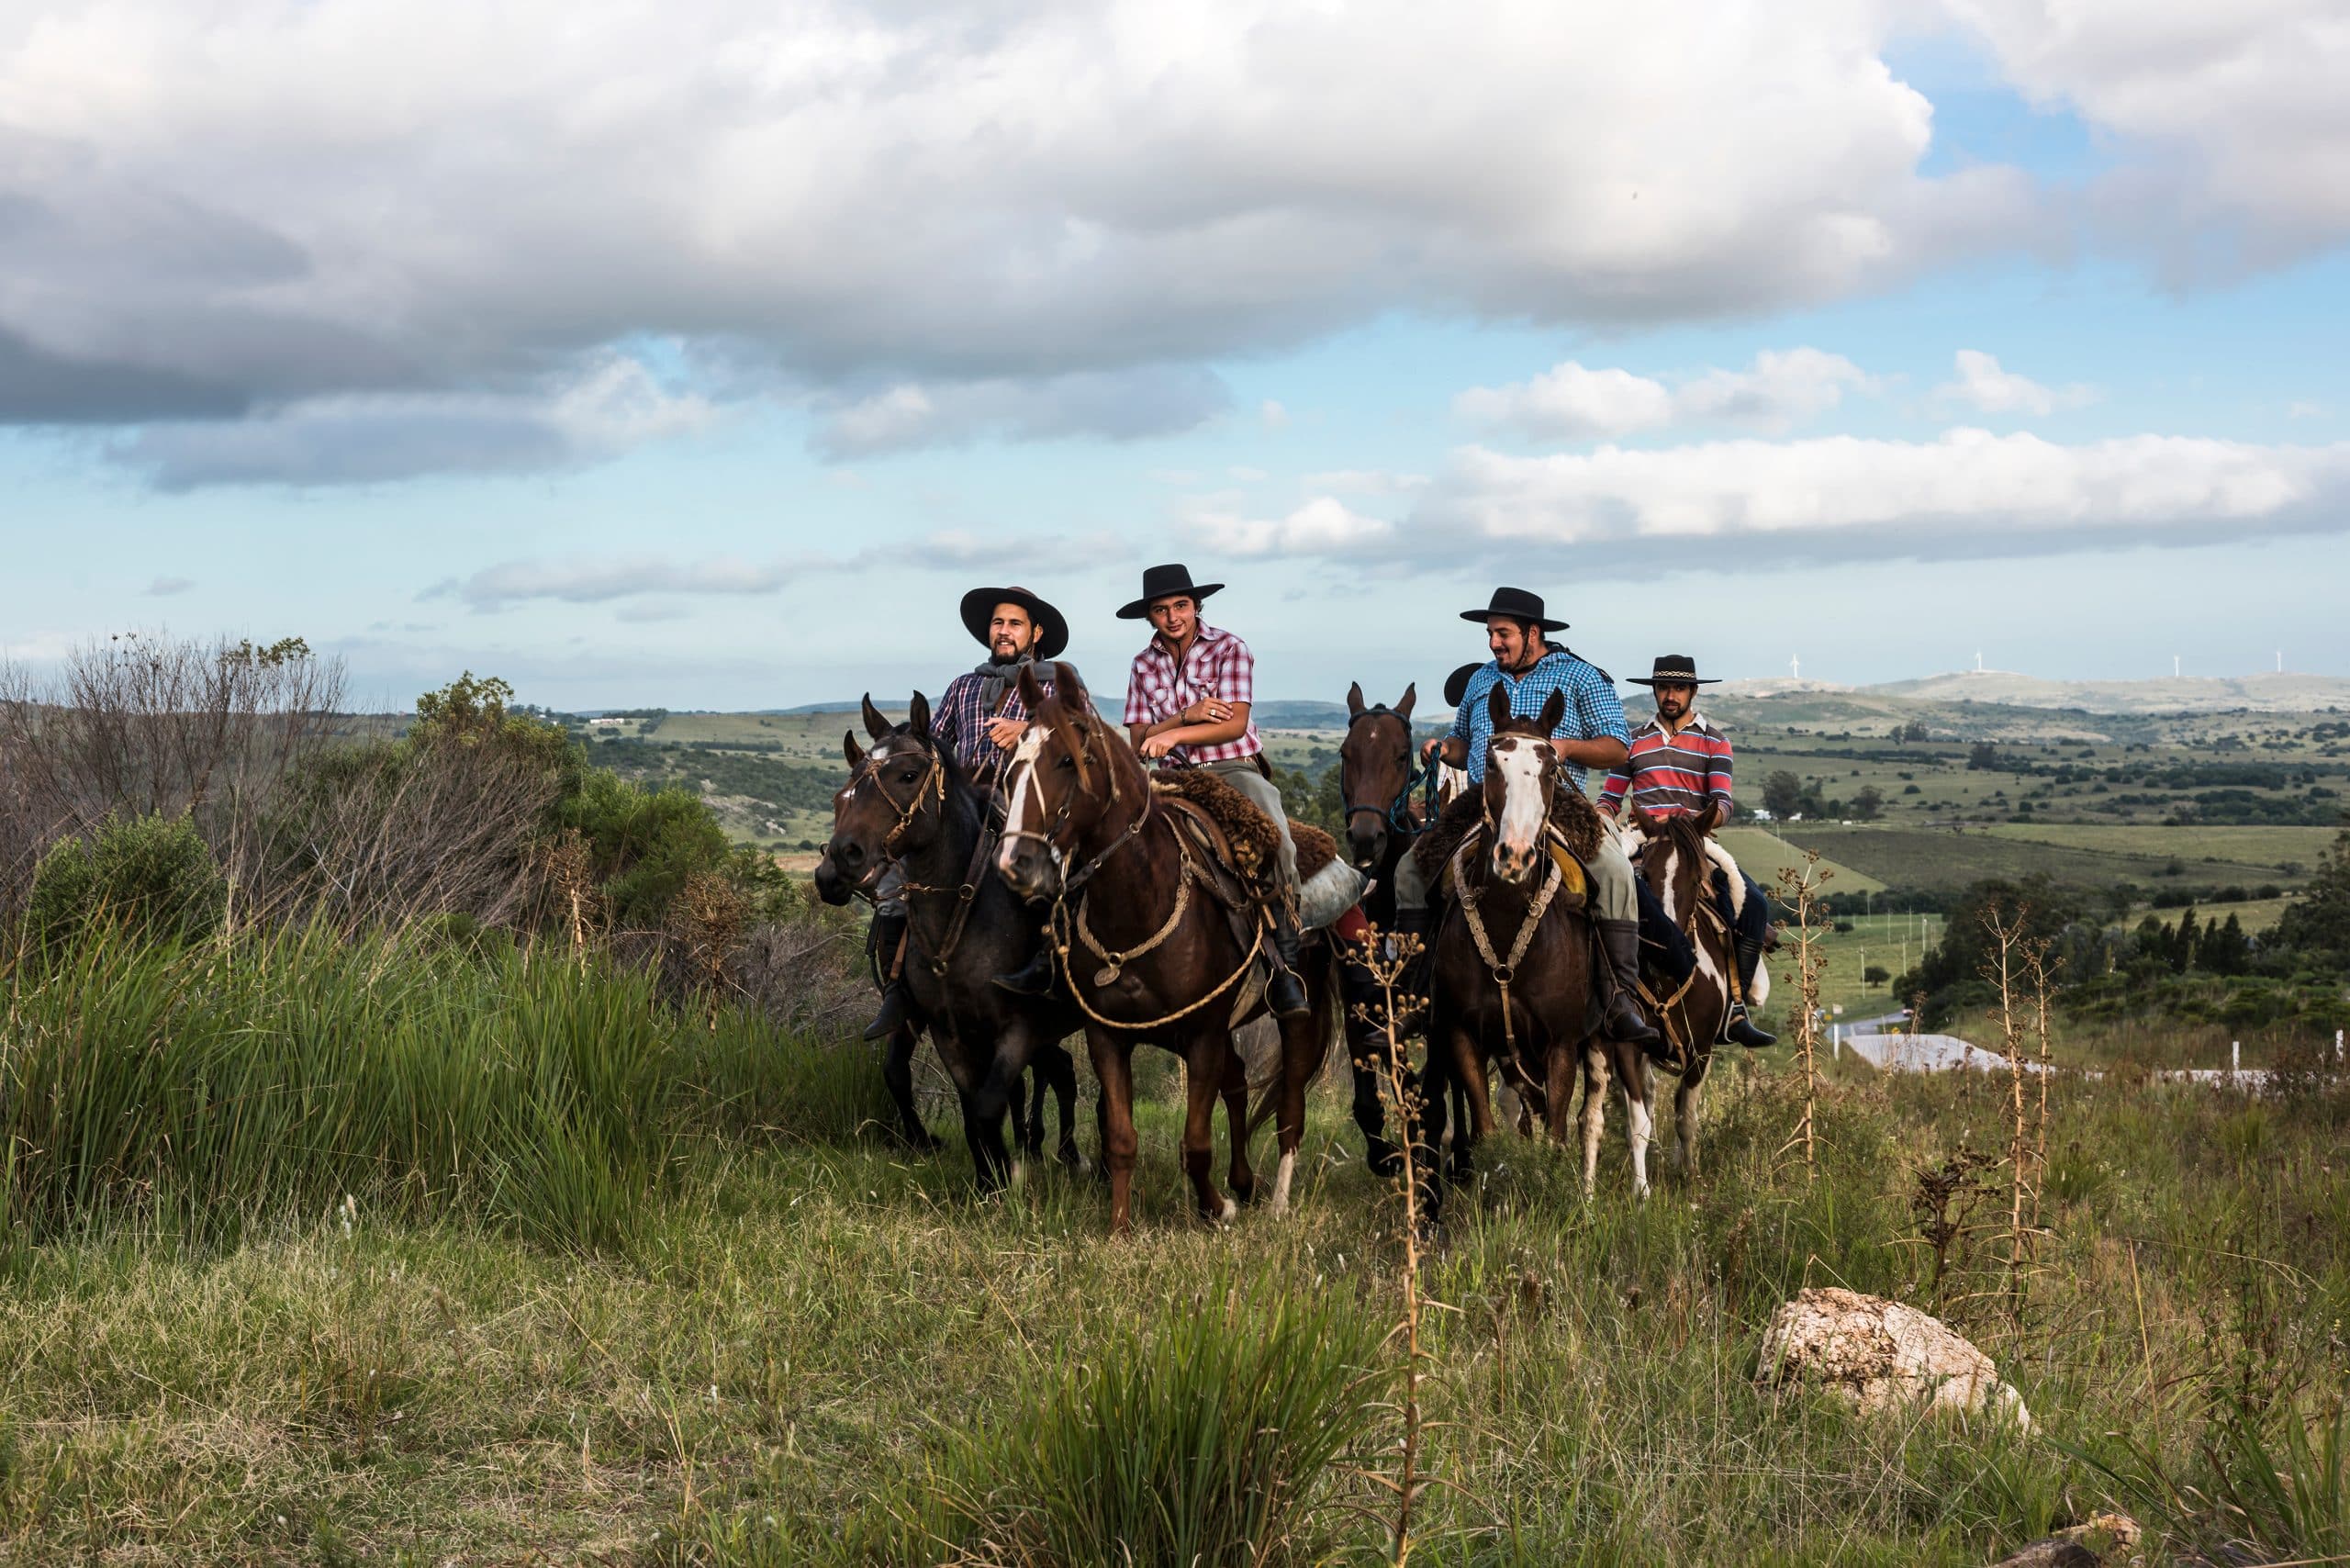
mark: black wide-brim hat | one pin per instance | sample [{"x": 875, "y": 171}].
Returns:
[
  {"x": 1518, "y": 605},
  {"x": 1456, "y": 685},
  {"x": 1170, "y": 581},
  {"x": 978, "y": 609},
  {"x": 1671, "y": 669}
]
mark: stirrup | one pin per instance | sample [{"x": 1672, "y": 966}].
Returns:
[{"x": 1031, "y": 979}]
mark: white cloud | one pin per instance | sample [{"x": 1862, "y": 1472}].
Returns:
[
  {"x": 598, "y": 580},
  {"x": 166, "y": 588},
  {"x": 1968, "y": 492},
  {"x": 1323, "y": 526},
  {"x": 1365, "y": 482},
  {"x": 609, "y": 406},
  {"x": 1275, "y": 417},
  {"x": 2300, "y": 409},
  {"x": 1125, "y": 405},
  {"x": 1570, "y": 402},
  {"x": 1982, "y": 385},
  {"x": 2230, "y": 123},
  {"x": 248, "y": 205}
]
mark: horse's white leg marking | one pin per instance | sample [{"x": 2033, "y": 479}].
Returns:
[
  {"x": 1520, "y": 765},
  {"x": 1685, "y": 1126},
  {"x": 1019, "y": 1173},
  {"x": 1595, "y": 1114},
  {"x": 1637, "y": 1115},
  {"x": 1231, "y": 1211},
  {"x": 1023, "y": 780},
  {"x": 1281, "y": 1173}
]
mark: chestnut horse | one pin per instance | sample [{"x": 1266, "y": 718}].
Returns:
[
  {"x": 1148, "y": 947},
  {"x": 908, "y": 802},
  {"x": 1677, "y": 861},
  {"x": 1515, "y": 971}
]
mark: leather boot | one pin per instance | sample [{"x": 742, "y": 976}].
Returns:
[
  {"x": 1624, "y": 1020},
  {"x": 1034, "y": 978},
  {"x": 1742, "y": 1029},
  {"x": 1413, "y": 986},
  {"x": 1284, "y": 993},
  {"x": 888, "y": 937}
]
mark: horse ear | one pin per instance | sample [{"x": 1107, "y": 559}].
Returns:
[
  {"x": 1069, "y": 689},
  {"x": 875, "y": 724},
  {"x": 1403, "y": 703},
  {"x": 918, "y": 716},
  {"x": 1497, "y": 705},
  {"x": 1554, "y": 708},
  {"x": 850, "y": 749},
  {"x": 1354, "y": 700},
  {"x": 1031, "y": 696}
]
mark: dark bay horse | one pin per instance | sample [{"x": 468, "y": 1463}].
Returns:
[
  {"x": 1514, "y": 962},
  {"x": 908, "y": 802},
  {"x": 1377, "y": 776},
  {"x": 1148, "y": 947},
  {"x": 1677, "y": 860}
]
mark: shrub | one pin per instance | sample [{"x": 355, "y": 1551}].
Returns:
[
  {"x": 151, "y": 877},
  {"x": 1208, "y": 1443}
]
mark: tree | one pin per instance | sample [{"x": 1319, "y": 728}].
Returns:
[
  {"x": 1949, "y": 975},
  {"x": 2225, "y": 950},
  {"x": 2183, "y": 942},
  {"x": 1868, "y": 803},
  {"x": 1875, "y": 975},
  {"x": 1783, "y": 794},
  {"x": 2317, "y": 924},
  {"x": 1982, "y": 757}
]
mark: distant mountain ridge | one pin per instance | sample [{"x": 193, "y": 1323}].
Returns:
[{"x": 2267, "y": 693}]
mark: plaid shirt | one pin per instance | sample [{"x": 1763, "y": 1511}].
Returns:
[
  {"x": 1219, "y": 666},
  {"x": 959, "y": 722},
  {"x": 1593, "y": 712}
]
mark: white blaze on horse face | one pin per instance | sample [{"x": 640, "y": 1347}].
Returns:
[
  {"x": 1518, "y": 759},
  {"x": 1024, "y": 790}
]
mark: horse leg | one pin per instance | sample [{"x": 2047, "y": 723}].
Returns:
[
  {"x": 1306, "y": 1042},
  {"x": 1113, "y": 1067},
  {"x": 1204, "y": 1058},
  {"x": 1685, "y": 1112},
  {"x": 1559, "y": 1094},
  {"x": 1032, "y": 1137},
  {"x": 897, "y": 1077},
  {"x": 1055, "y": 1067},
  {"x": 1370, "y": 1067},
  {"x": 1594, "y": 1112},
  {"x": 1638, "y": 1125},
  {"x": 1448, "y": 1044},
  {"x": 1479, "y": 1123},
  {"x": 1234, "y": 1090}
]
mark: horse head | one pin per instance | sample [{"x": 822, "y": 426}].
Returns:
[
  {"x": 892, "y": 805},
  {"x": 1062, "y": 777},
  {"x": 1374, "y": 772},
  {"x": 1521, "y": 780},
  {"x": 1672, "y": 858}
]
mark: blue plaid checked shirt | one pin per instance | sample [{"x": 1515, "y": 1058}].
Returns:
[
  {"x": 959, "y": 722},
  {"x": 1594, "y": 710}
]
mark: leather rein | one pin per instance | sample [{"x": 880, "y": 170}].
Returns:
[{"x": 1397, "y": 813}]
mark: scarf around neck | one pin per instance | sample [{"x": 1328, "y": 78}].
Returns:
[{"x": 996, "y": 678}]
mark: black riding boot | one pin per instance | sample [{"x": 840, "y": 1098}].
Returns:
[
  {"x": 888, "y": 937},
  {"x": 1284, "y": 993},
  {"x": 1412, "y": 987},
  {"x": 1032, "y": 979},
  {"x": 1624, "y": 1020},
  {"x": 1742, "y": 1029}
]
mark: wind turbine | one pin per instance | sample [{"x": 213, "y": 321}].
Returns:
[
  {"x": 1978, "y": 661},
  {"x": 1795, "y": 666},
  {"x": 2174, "y": 667}
]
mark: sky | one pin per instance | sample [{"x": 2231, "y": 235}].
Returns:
[{"x": 704, "y": 356}]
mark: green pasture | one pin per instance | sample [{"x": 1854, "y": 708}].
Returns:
[
  {"x": 2265, "y": 849},
  {"x": 1762, "y": 854},
  {"x": 1946, "y": 859}
]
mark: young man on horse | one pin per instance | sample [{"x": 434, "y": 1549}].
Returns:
[
  {"x": 977, "y": 720},
  {"x": 1679, "y": 765},
  {"x": 1188, "y": 697},
  {"x": 1590, "y": 735}
]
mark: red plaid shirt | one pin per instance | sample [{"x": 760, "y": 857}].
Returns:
[{"x": 1218, "y": 665}]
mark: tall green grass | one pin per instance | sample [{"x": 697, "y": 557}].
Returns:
[{"x": 193, "y": 1086}]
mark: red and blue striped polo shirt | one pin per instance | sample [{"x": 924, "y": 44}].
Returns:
[{"x": 1672, "y": 774}]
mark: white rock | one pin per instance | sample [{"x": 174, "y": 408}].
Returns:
[{"x": 1882, "y": 1355}]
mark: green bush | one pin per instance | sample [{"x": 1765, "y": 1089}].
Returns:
[
  {"x": 1209, "y": 1442},
  {"x": 152, "y": 877},
  {"x": 643, "y": 844}
]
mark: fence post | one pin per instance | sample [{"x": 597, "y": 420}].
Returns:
[
  {"x": 2337, "y": 1047},
  {"x": 2235, "y": 1058},
  {"x": 1836, "y": 1043}
]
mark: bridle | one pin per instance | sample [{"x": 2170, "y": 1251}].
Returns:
[
  {"x": 1059, "y": 825},
  {"x": 931, "y": 786},
  {"x": 1396, "y": 813}
]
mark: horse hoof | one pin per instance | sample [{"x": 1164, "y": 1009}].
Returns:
[
  {"x": 1383, "y": 1158},
  {"x": 1231, "y": 1211}
]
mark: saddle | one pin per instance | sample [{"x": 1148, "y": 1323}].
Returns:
[
  {"x": 1239, "y": 846},
  {"x": 1633, "y": 841}
]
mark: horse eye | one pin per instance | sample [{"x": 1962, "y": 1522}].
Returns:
[{"x": 1066, "y": 762}]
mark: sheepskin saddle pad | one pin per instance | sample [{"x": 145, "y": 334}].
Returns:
[
  {"x": 1572, "y": 813},
  {"x": 1247, "y": 832}
]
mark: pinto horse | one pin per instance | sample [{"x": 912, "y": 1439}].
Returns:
[
  {"x": 1150, "y": 947},
  {"x": 1515, "y": 971},
  {"x": 1677, "y": 860},
  {"x": 908, "y": 802}
]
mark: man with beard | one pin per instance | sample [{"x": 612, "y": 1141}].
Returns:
[
  {"x": 1679, "y": 765},
  {"x": 1592, "y": 735},
  {"x": 978, "y": 720}
]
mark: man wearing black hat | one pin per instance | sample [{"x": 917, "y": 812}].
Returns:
[
  {"x": 1188, "y": 698},
  {"x": 1679, "y": 765},
  {"x": 978, "y": 720},
  {"x": 1592, "y": 735}
]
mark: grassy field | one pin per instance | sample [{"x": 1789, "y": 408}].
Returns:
[
  {"x": 806, "y": 1339},
  {"x": 1762, "y": 854},
  {"x": 2264, "y": 849}
]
